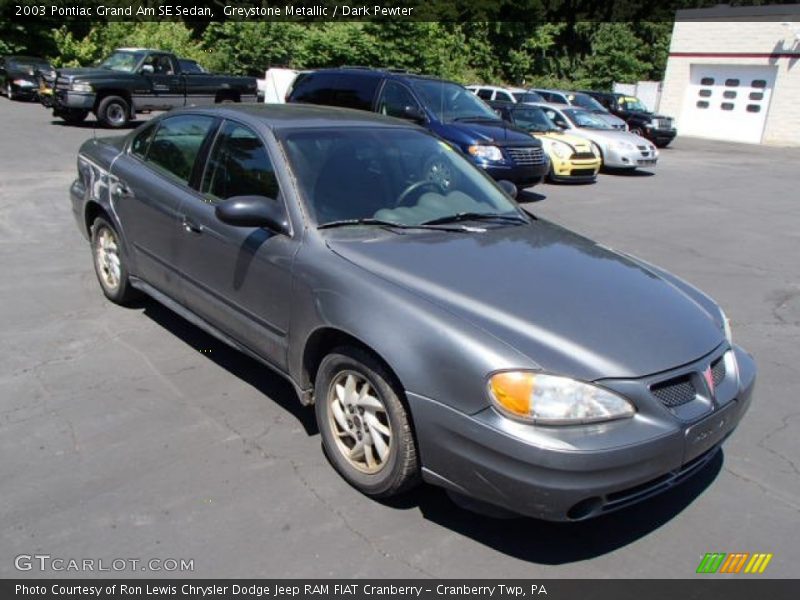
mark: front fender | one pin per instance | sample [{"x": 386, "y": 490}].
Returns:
[{"x": 433, "y": 352}]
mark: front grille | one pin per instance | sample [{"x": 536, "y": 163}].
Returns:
[
  {"x": 642, "y": 148},
  {"x": 718, "y": 371},
  {"x": 664, "y": 123},
  {"x": 526, "y": 155},
  {"x": 675, "y": 392},
  {"x": 62, "y": 84},
  {"x": 581, "y": 172},
  {"x": 583, "y": 155}
]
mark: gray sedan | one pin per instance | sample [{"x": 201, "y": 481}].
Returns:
[{"x": 441, "y": 332}]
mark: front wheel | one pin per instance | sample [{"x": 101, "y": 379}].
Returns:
[
  {"x": 110, "y": 263},
  {"x": 113, "y": 112},
  {"x": 364, "y": 424},
  {"x": 10, "y": 91}
]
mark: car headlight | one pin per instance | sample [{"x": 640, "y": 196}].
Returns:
[
  {"x": 486, "y": 152},
  {"x": 559, "y": 149},
  {"x": 554, "y": 400},
  {"x": 23, "y": 83},
  {"x": 80, "y": 86}
]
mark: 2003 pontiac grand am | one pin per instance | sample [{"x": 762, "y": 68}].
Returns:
[{"x": 442, "y": 333}]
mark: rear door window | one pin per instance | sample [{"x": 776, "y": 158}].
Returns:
[
  {"x": 347, "y": 90},
  {"x": 177, "y": 143}
]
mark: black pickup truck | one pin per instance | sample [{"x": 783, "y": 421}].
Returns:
[{"x": 137, "y": 79}]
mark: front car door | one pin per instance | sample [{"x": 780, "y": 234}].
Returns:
[
  {"x": 149, "y": 182},
  {"x": 166, "y": 83},
  {"x": 395, "y": 99},
  {"x": 238, "y": 278}
]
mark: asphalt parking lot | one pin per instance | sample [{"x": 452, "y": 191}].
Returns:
[{"x": 129, "y": 433}]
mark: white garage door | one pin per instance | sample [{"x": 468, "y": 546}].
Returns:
[{"x": 727, "y": 102}]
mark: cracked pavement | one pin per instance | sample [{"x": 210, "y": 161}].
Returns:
[{"x": 129, "y": 433}]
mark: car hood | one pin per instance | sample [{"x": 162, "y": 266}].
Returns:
[
  {"x": 608, "y": 117},
  {"x": 604, "y": 136},
  {"x": 577, "y": 143},
  {"x": 470, "y": 132},
  {"x": 89, "y": 73},
  {"x": 572, "y": 306}
]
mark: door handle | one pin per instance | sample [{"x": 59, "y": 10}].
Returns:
[{"x": 190, "y": 226}]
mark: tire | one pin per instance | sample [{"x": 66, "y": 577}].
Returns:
[
  {"x": 114, "y": 112},
  {"x": 110, "y": 263},
  {"x": 74, "y": 116},
  {"x": 347, "y": 420},
  {"x": 637, "y": 131},
  {"x": 662, "y": 144},
  {"x": 10, "y": 91}
]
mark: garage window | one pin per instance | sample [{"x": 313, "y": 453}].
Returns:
[
  {"x": 756, "y": 96},
  {"x": 753, "y": 108},
  {"x": 705, "y": 93},
  {"x": 759, "y": 83},
  {"x": 731, "y": 82},
  {"x": 707, "y": 81},
  {"x": 726, "y": 106},
  {"x": 702, "y": 104},
  {"x": 729, "y": 94}
]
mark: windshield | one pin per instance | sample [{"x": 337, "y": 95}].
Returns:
[
  {"x": 582, "y": 118},
  {"x": 586, "y": 101},
  {"x": 451, "y": 102},
  {"x": 533, "y": 119},
  {"x": 527, "y": 97},
  {"x": 122, "y": 61},
  {"x": 632, "y": 104},
  {"x": 400, "y": 176}
]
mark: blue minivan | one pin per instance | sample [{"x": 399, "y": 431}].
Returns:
[{"x": 445, "y": 108}]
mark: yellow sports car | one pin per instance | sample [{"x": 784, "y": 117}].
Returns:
[{"x": 572, "y": 158}]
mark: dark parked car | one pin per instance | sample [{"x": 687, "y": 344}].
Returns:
[
  {"x": 20, "y": 76},
  {"x": 447, "y": 109},
  {"x": 139, "y": 79},
  {"x": 442, "y": 332},
  {"x": 659, "y": 129}
]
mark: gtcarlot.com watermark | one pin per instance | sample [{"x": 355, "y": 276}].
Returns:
[{"x": 46, "y": 562}]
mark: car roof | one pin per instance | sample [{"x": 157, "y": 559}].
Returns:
[
  {"x": 558, "y": 105},
  {"x": 299, "y": 116},
  {"x": 382, "y": 72},
  {"x": 24, "y": 57}
]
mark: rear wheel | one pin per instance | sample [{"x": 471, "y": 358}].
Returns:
[
  {"x": 110, "y": 263},
  {"x": 114, "y": 112},
  {"x": 364, "y": 424}
]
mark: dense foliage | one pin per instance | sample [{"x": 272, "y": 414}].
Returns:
[{"x": 577, "y": 54}]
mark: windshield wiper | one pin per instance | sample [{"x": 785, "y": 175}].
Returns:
[
  {"x": 382, "y": 223},
  {"x": 473, "y": 216}
]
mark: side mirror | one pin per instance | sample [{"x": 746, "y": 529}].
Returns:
[
  {"x": 253, "y": 211},
  {"x": 413, "y": 113},
  {"x": 508, "y": 187},
  {"x": 147, "y": 70}
]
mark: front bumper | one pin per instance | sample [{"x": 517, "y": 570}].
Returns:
[
  {"x": 619, "y": 158},
  {"x": 573, "y": 169},
  {"x": 660, "y": 136},
  {"x": 66, "y": 100},
  {"x": 573, "y": 473},
  {"x": 520, "y": 175}
]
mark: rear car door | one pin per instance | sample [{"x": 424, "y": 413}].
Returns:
[
  {"x": 150, "y": 180},
  {"x": 238, "y": 278}
]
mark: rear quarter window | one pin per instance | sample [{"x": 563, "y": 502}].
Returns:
[{"x": 336, "y": 89}]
